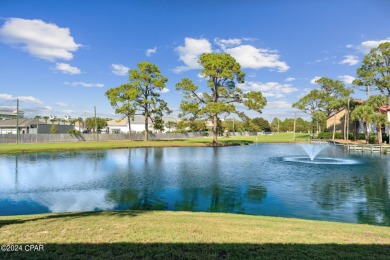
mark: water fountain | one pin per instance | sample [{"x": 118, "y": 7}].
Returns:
[{"x": 312, "y": 150}]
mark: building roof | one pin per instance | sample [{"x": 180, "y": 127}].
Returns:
[
  {"x": 384, "y": 109},
  {"x": 137, "y": 120},
  {"x": 23, "y": 122}
]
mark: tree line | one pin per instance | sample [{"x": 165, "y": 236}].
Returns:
[
  {"x": 141, "y": 95},
  {"x": 333, "y": 96}
]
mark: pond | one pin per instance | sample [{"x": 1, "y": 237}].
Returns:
[{"x": 259, "y": 179}]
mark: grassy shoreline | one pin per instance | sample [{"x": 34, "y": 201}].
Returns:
[
  {"x": 166, "y": 234},
  {"x": 191, "y": 142}
]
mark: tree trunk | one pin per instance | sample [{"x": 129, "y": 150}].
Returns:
[
  {"x": 379, "y": 131},
  {"x": 366, "y": 131},
  {"x": 334, "y": 127},
  {"x": 129, "y": 120},
  {"x": 146, "y": 127},
  {"x": 388, "y": 127},
  {"x": 215, "y": 130},
  {"x": 345, "y": 126}
]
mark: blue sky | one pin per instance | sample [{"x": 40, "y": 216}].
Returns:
[{"x": 60, "y": 57}]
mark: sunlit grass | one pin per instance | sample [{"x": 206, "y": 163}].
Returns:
[
  {"x": 146, "y": 233},
  {"x": 205, "y": 141}
]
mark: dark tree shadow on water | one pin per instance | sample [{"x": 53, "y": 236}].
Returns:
[{"x": 203, "y": 251}]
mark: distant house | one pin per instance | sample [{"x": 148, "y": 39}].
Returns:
[
  {"x": 30, "y": 126},
  {"x": 354, "y": 126},
  {"x": 10, "y": 114},
  {"x": 137, "y": 125}
]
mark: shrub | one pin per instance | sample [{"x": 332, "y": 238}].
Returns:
[
  {"x": 74, "y": 132},
  {"x": 372, "y": 138},
  {"x": 360, "y": 136},
  {"x": 53, "y": 129},
  {"x": 329, "y": 135}
]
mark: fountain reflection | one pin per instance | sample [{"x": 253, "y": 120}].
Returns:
[{"x": 239, "y": 179}]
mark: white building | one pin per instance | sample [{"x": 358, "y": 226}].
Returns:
[
  {"x": 10, "y": 114},
  {"x": 137, "y": 125}
]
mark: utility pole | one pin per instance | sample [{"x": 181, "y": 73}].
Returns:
[
  {"x": 278, "y": 124},
  {"x": 96, "y": 129},
  {"x": 347, "y": 120},
  {"x": 17, "y": 120},
  {"x": 295, "y": 123}
]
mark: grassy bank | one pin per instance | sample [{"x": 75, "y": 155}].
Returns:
[
  {"x": 162, "y": 234},
  {"x": 49, "y": 147}
]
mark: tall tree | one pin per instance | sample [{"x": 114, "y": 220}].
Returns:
[
  {"x": 222, "y": 72},
  {"x": 335, "y": 97},
  {"x": 46, "y": 118},
  {"x": 141, "y": 96},
  {"x": 122, "y": 99},
  {"x": 98, "y": 123},
  {"x": 80, "y": 122},
  {"x": 377, "y": 118},
  {"x": 311, "y": 103},
  {"x": 375, "y": 70},
  {"x": 363, "y": 113}
]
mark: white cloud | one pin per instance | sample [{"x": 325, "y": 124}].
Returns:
[
  {"x": 85, "y": 85},
  {"x": 347, "y": 79},
  {"x": 366, "y": 46},
  {"x": 61, "y": 104},
  {"x": 225, "y": 43},
  {"x": 67, "y": 69},
  {"x": 28, "y": 99},
  {"x": 313, "y": 80},
  {"x": 67, "y": 111},
  {"x": 247, "y": 55},
  {"x": 149, "y": 52},
  {"x": 268, "y": 89},
  {"x": 290, "y": 79},
  {"x": 119, "y": 69},
  {"x": 190, "y": 52},
  {"x": 43, "y": 40},
  {"x": 164, "y": 90},
  {"x": 253, "y": 58},
  {"x": 278, "y": 104},
  {"x": 350, "y": 60}
]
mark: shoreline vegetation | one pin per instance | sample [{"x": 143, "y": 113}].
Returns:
[
  {"x": 191, "y": 142},
  {"x": 188, "y": 235}
]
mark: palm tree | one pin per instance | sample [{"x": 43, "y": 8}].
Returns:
[
  {"x": 376, "y": 101},
  {"x": 81, "y": 122},
  {"x": 46, "y": 118},
  {"x": 379, "y": 119},
  {"x": 363, "y": 113},
  {"x": 38, "y": 117}
]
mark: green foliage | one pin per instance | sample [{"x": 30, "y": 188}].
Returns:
[
  {"x": 329, "y": 135},
  {"x": 74, "y": 132},
  {"x": 262, "y": 124},
  {"x": 170, "y": 125},
  {"x": 141, "y": 96},
  {"x": 320, "y": 103},
  {"x": 372, "y": 138},
  {"x": 53, "y": 129},
  {"x": 91, "y": 125},
  {"x": 222, "y": 72},
  {"x": 375, "y": 69}
]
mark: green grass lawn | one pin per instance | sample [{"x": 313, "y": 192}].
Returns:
[
  {"x": 71, "y": 146},
  {"x": 164, "y": 234}
]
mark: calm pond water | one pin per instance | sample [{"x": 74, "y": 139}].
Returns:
[{"x": 263, "y": 179}]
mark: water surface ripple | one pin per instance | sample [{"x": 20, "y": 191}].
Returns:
[{"x": 262, "y": 179}]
